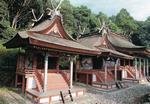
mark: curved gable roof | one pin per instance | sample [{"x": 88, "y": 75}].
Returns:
[{"x": 121, "y": 42}]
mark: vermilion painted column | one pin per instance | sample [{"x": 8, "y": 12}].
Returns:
[
  {"x": 116, "y": 65},
  {"x": 45, "y": 71}
]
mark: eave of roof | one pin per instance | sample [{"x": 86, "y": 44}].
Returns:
[
  {"x": 41, "y": 40},
  {"x": 115, "y": 53},
  {"x": 95, "y": 42}
]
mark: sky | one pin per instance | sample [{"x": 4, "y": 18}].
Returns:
[{"x": 139, "y": 9}]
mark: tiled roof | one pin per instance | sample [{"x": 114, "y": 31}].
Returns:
[
  {"x": 59, "y": 41},
  {"x": 95, "y": 41},
  {"x": 121, "y": 42}
]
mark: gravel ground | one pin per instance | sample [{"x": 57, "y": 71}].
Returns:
[
  {"x": 10, "y": 96},
  {"x": 131, "y": 95}
]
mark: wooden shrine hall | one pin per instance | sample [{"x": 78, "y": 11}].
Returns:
[
  {"x": 38, "y": 67},
  {"x": 99, "y": 61},
  {"x": 116, "y": 63}
]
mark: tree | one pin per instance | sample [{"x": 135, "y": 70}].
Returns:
[
  {"x": 82, "y": 16},
  {"x": 3, "y": 10},
  {"x": 126, "y": 22},
  {"x": 68, "y": 18}
]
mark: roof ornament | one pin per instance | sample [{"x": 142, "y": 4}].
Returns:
[
  {"x": 51, "y": 12},
  {"x": 35, "y": 18},
  {"x": 103, "y": 27},
  {"x": 54, "y": 11},
  {"x": 81, "y": 32}
]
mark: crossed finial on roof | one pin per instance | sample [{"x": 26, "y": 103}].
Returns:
[
  {"x": 104, "y": 29},
  {"x": 51, "y": 12}
]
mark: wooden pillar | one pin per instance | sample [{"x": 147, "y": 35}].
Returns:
[
  {"x": 57, "y": 66},
  {"x": 34, "y": 62},
  {"x": 105, "y": 66},
  {"x": 87, "y": 79},
  {"x": 129, "y": 62},
  {"x": 45, "y": 71},
  {"x": 124, "y": 62},
  {"x": 77, "y": 68},
  {"x": 71, "y": 72},
  {"x": 147, "y": 68},
  {"x": 144, "y": 67},
  {"x": 27, "y": 82},
  {"x": 140, "y": 68},
  {"x": 135, "y": 66},
  {"x": 116, "y": 65},
  {"x": 16, "y": 80},
  {"x": 23, "y": 84}
]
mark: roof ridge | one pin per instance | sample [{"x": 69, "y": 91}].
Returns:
[{"x": 120, "y": 36}]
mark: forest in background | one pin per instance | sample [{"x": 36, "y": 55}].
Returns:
[{"x": 16, "y": 15}]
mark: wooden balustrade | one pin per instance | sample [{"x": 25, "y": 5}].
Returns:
[
  {"x": 66, "y": 75},
  {"x": 99, "y": 74}
]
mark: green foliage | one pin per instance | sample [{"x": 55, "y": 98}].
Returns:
[
  {"x": 68, "y": 18},
  {"x": 82, "y": 17},
  {"x": 126, "y": 22},
  {"x": 6, "y": 32},
  {"x": 7, "y": 57},
  {"x": 3, "y": 10}
]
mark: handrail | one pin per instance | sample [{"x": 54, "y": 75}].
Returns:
[
  {"x": 39, "y": 77},
  {"x": 130, "y": 71},
  {"x": 64, "y": 74},
  {"x": 99, "y": 78}
]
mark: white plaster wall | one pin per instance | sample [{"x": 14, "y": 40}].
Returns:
[
  {"x": 124, "y": 74},
  {"x": 44, "y": 100},
  {"x": 93, "y": 77},
  {"x": 31, "y": 83}
]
